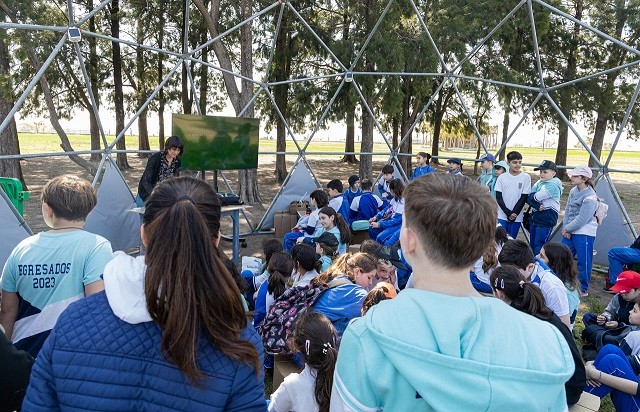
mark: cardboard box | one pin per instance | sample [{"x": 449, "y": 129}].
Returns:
[
  {"x": 283, "y": 222},
  {"x": 295, "y": 207},
  {"x": 283, "y": 367}
]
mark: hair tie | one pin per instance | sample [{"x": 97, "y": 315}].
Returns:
[
  {"x": 495, "y": 283},
  {"x": 186, "y": 197},
  {"x": 521, "y": 283},
  {"x": 325, "y": 348},
  {"x": 307, "y": 345}
]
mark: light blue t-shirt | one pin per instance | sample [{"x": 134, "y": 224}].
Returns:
[
  {"x": 49, "y": 271},
  {"x": 342, "y": 247}
]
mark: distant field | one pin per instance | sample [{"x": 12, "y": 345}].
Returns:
[{"x": 31, "y": 143}]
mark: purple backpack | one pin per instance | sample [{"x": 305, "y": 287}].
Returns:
[{"x": 277, "y": 325}]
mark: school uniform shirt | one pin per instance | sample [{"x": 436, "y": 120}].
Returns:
[
  {"x": 554, "y": 291},
  {"x": 296, "y": 393},
  {"x": 340, "y": 205},
  {"x": 313, "y": 224},
  {"x": 512, "y": 188},
  {"x": 421, "y": 171},
  {"x": 365, "y": 206},
  {"x": 306, "y": 279},
  {"x": 49, "y": 271},
  {"x": 326, "y": 263},
  {"x": 342, "y": 247},
  {"x": 349, "y": 195}
]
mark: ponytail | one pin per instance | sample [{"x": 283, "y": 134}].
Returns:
[
  {"x": 279, "y": 268},
  {"x": 490, "y": 258},
  {"x": 343, "y": 227},
  {"x": 316, "y": 339},
  {"x": 524, "y": 296},
  {"x": 187, "y": 287}
]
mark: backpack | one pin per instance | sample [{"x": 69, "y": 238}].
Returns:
[
  {"x": 601, "y": 211},
  {"x": 277, "y": 325}
]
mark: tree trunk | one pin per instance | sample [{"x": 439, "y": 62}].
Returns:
[
  {"x": 566, "y": 103},
  {"x": 142, "y": 92},
  {"x": 185, "y": 94},
  {"x": 204, "y": 76},
  {"x": 9, "y": 143},
  {"x": 121, "y": 158},
  {"x": 248, "y": 179},
  {"x": 505, "y": 123},
  {"x": 350, "y": 137},
  {"x": 160, "y": 69},
  {"x": 282, "y": 65},
  {"x": 92, "y": 69}
]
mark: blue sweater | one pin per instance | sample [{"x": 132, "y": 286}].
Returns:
[
  {"x": 367, "y": 207},
  {"x": 95, "y": 361}
]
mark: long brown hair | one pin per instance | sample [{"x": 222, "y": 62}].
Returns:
[
  {"x": 341, "y": 224},
  {"x": 189, "y": 290},
  {"x": 280, "y": 267},
  {"x": 561, "y": 262},
  {"x": 344, "y": 266},
  {"x": 316, "y": 339}
]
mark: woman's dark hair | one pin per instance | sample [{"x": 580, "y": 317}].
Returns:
[
  {"x": 501, "y": 235},
  {"x": 524, "y": 296},
  {"x": 425, "y": 155},
  {"x": 561, "y": 262},
  {"x": 341, "y": 224},
  {"x": 188, "y": 289},
  {"x": 321, "y": 197},
  {"x": 173, "y": 141},
  {"x": 280, "y": 267},
  {"x": 331, "y": 251},
  {"x": 269, "y": 247},
  {"x": 397, "y": 187},
  {"x": 344, "y": 266},
  {"x": 306, "y": 257},
  {"x": 316, "y": 339}
]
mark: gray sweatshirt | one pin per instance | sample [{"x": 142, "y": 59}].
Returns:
[{"x": 579, "y": 213}]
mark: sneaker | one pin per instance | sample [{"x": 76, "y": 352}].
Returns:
[
  {"x": 608, "y": 285},
  {"x": 608, "y": 290},
  {"x": 584, "y": 294}
]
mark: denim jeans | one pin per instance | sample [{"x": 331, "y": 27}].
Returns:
[
  {"x": 538, "y": 236},
  {"x": 582, "y": 248},
  {"x": 613, "y": 361},
  {"x": 512, "y": 228},
  {"x": 620, "y": 256}
]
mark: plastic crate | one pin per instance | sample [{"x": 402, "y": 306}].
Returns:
[{"x": 13, "y": 188}]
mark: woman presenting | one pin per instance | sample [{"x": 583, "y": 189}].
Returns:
[{"x": 160, "y": 166}]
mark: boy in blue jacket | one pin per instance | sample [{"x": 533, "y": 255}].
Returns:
[
  {"x": 415, "y": 353},
  {"x": 544, "y": 200}
]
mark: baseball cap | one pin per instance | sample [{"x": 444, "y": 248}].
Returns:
[
  {"x": 392, "y": 254},
  {"x": 488, "y": 157},
  {"x": 501, "y": 164},
  {"x": 626, "y": 281},
  {"x": 581, "y": 171},
  {"x": 546, "y": 165},
  {"x": 455, "y": 160},
  {"x": 353, "y": 179},
  {"x": 328, "y": 239}
]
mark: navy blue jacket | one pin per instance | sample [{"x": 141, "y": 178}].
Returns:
[
  {"x": 367, "y": 208},
  {"x": 92, "y": 360}
]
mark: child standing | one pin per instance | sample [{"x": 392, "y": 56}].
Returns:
[
  {"x": 423, "y": 168},
  {"x": 487, "y": 177},
  {"x": 512, "y": 190},
  {"x": 316, "y": 339},
  {"x": 579, "y": 225},
  {"x": 46, "y": 272},
  {"x": 544, "y": 200},
  {"x": 354, "y": 189},
  {"x": 455, "y": 166}
]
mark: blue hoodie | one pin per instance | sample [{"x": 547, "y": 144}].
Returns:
[
  {"x": 341, "y": 304},
  {"x": 424, "y": 351}
]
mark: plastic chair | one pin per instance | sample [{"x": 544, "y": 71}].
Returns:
[{"x": 13, "y": 188}]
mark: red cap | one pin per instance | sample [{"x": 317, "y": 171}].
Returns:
[{"x": 626, "y": 281}]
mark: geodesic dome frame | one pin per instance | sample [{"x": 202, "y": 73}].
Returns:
[{"x": 452, "y": 74}]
